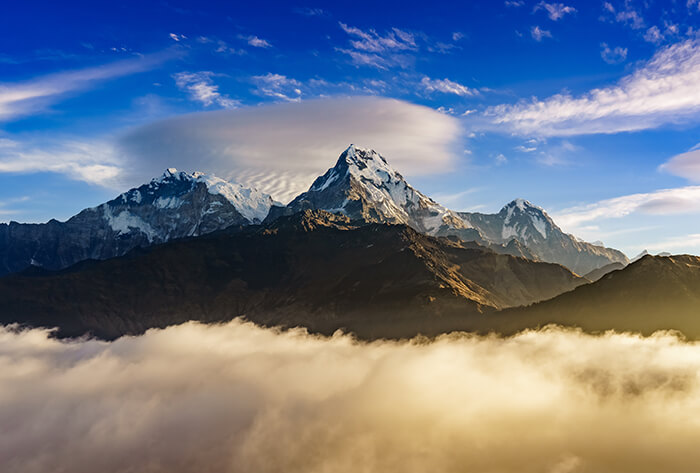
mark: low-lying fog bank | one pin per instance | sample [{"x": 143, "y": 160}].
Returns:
[{"x": 235, "y": 397}]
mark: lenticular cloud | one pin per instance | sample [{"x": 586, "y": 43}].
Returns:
[{"x": 235, "y": 397}]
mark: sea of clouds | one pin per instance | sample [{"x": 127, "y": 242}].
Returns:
[{"x": 235, "y": 397}]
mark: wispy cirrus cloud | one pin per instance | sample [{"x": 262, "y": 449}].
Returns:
[
  {"x": 626, "y": 14},
  {"x": 278, "y": 86},
  {"x": 24, "y": 98},
  {"x": 555, "y": 11},
  {"x": 614, "y": 55},
  {"x": 201, "y": 88},
  {"x": 369, "y": 48},
  {"x": 538, "y": 34},
  {"x": 662, "y": 91},
  {"x": 682, "y": 200},
  {"x": 255, "y": 41},
  {"x": 447, "y": 86},
  {"x": 373, "y": 42}
]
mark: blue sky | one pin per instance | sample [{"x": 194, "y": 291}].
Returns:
[{"x": 588, "y": 109}]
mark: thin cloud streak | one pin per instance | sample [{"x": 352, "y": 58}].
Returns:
[
  {"x": 661, "y": 92},
  {"x": 25, "y": 98},
  {"x": 682, "y": 200}
]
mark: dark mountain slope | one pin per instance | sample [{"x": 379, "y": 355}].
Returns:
[
  {"x": 654, "y": 293},
  {"x": 314, "y": 269},
  {"x": 600, "y": 272}
]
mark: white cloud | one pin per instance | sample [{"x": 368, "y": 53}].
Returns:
[
  {"x": 202, "y": 89},
  {"x": 653, "y": 35},
  {"x": 94, "y": 163},
  {"x": 278, "y": 86},
  {"x": 538, "y": 33},
  {"x": 447, "y": 86},
  {"x": 373, "y": 42},
  {"x": 177, "y": 37},
  {"x": 369, "y": 48},
  {"x": 685, "y": 165},
  {"x": 235, "y": 397},
  {"x": 526, "y": 149},
  {"x": 514, "y": 3},
  {"x": 457, "y": 36},
  {"x": 682, "y": 200},
  {"x": 255, "y": 41},
  {"x": 281, "y": 148},
  {"x": 614, "y": 55},
  {"x": 33, "y": 96},
  {"x": 627, "y": 15},
  {"x": 662, "y": 91},
  {"x": 555, "y": 11}
]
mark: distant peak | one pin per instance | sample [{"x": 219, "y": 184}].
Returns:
[{"x": 171, "y": 171}]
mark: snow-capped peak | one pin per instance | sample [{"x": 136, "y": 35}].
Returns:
[
  {"x": 356, "y": 155},
  {"x": 169, "y": 190},
  {"x": 522, "y": 204},
  {"x": 519, "y": 215},
  {"x": 250, "y": 202},
  {"x": 362, "y": 184}
]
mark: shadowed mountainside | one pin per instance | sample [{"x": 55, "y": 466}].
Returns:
[
  {"x": 651, "y": 294},
  {"x": 314, "y": 269}
]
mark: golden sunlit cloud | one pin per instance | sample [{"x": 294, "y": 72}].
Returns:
[{"x": 236, "y": 397}]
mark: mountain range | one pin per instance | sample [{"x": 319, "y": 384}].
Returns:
[
  {"x": 364, "y": 186},
  {"x": 315, "y": 269},
  {"x": 174, "y": 205},
  {"x": 361, "y": 250},
  {"x": 361, "y": 185}
]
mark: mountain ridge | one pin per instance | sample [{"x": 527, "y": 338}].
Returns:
[
  {"x": 175, "y": 205},
  {"x": 362, "y": 184},
  {"x": 313, "y": 269}
]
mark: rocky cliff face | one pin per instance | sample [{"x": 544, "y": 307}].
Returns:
[{"x": 175, "y": 205}]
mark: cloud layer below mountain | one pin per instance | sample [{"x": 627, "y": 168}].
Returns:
[
  {"x": 281, "y": 148},
  {"x": 235, "y": 397}
]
